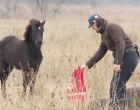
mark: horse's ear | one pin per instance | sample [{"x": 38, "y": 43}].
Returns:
[
  {"x": 43, "y": 22},
  {"x": 31, "y": 20}
]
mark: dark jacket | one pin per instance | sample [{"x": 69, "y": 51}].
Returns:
[{"x": 113, "y": 38}]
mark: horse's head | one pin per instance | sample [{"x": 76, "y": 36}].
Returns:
[{"x": 34, "y": 32}]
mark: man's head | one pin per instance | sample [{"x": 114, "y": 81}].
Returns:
[
  {"x": 96, "y": 22},
  {"x": 92, "y": 19}
]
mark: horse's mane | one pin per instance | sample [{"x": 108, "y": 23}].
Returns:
[{"x": 28, "y": 28}]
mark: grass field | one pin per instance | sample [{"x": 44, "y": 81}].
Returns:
[{"x": 67, "y": 44}]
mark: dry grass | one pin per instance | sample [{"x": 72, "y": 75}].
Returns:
[{"x": 68, "y": 43}]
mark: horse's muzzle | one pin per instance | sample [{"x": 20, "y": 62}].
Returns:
[{"x": 39, "y": 43}]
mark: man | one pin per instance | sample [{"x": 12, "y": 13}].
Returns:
[{"x": 125, "y": 55}]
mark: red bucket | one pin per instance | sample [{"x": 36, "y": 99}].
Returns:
[{"x": 76, "y": 91}]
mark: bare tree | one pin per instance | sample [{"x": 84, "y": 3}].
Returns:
[
  {"x": 8, "y": 8},
  {"x": 44, "y": 7}
]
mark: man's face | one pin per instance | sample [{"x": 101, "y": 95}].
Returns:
[{"x": 94, "y": 27}]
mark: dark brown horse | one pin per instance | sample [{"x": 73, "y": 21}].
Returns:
[
  {"x": 24, "y": 55},
  {"x": 132, "y": 101}
]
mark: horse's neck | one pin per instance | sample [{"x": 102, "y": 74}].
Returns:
[{"x": 33, "y": 49}]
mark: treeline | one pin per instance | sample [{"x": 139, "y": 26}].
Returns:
[
  {"x": 131, "y": 2},
  {"x": 24, "y": 9}
]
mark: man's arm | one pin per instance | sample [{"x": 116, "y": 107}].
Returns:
[{"x": 97, "y": 56}]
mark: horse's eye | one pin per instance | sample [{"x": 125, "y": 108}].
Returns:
[{"x": 39, "y": 28}]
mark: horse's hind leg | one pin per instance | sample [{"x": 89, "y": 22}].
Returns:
[
  {"x": 4, "y": 75},
  {"x": 2, "y": 66}
]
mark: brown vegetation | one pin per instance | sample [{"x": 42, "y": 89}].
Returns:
[{"x": 67, "y": 44}]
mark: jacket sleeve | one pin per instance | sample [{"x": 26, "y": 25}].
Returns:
[
  {"x": 116, "y": 33},
  {"x": 97, "y": 56}
]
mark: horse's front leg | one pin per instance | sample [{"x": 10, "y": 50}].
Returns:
[
  {"x": 32, "y": 83},
  {"x": 28, "y": 83}
]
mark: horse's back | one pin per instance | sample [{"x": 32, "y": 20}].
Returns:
[
  {"x": 10, "y": 43},
  {"x": 4, "y": 42},
  {"x": 12, "y": 48},
  {"x": 18, "y": 51}
]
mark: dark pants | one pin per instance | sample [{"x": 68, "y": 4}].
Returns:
[{"x": 118, "y": 88}]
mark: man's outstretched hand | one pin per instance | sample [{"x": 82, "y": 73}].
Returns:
[{"x": 84, "y": 67}]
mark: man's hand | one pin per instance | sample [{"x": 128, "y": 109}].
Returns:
[
  {"x": 117, "y": 68},
  {"x": 84, "y": 67}
]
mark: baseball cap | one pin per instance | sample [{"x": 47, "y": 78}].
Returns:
[{"x": 92, "y": 19}]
